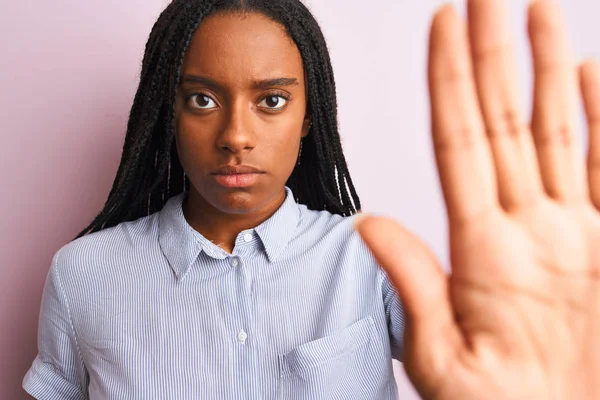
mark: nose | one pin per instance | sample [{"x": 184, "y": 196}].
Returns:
[{"x": 237, "y": 134}]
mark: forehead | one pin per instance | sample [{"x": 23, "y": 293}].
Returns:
[{"x": 235, "y": 46}]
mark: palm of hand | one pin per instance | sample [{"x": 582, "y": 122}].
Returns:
[
  {"x": 524, "y": 292},
  {"x": 519, "y": 317}
]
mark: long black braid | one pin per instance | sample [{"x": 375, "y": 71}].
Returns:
[{"x": 150, "y": 171}]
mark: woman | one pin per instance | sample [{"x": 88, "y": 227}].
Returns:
[
  {"x": 238, "y": 287},
  {"x": 224, "y": 265}
]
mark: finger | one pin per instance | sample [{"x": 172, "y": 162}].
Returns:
[
  {"x": 462, "y": 152},
  {"x": 423, "y": 290},
  {"x": 589, "y": 74},
  {"x": 555, "y": 102},
  {"x": 496, "y": 79}
]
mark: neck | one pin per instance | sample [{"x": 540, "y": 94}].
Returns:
[{"x": 220, "y": 227}]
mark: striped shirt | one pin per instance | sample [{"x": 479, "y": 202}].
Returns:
[{"x": 151, "y": 309}]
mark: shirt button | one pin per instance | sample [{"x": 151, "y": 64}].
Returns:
[
  {"x": 234, "y": 261},
  {"x": 247, "y": 238},
  {"x": 242, "y": 336}
]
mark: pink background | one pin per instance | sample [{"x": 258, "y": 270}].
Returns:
[{"x": 68, "y": 72}]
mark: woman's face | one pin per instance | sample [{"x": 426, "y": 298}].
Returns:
[{"x": 240, "y": 111}]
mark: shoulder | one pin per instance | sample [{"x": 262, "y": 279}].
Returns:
[
  {"x": 333, "y": 231},
  {"x": 322, "y": 223},
  {"x": 106, "y": 248},
  {"x": 334, "y": 249}
]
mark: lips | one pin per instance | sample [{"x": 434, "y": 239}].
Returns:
[
  {"x": 236, "y": 170},
  {"x": 237, "y": 176}
]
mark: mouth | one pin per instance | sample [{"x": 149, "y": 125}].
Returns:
[{"x": 237, "y": 176}]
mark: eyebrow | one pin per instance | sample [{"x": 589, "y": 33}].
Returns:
[{"x": 262, "y": 84}]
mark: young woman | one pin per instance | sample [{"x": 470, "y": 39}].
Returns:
[
  {"x": 204, "y": 276},
  {"x": 224, "y": 264}
]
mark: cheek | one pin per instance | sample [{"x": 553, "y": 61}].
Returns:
[
  {"x": 287, "y": 131},
  {"x": 283, "y": 139},
  {"x": 193, "y": 142},
  {"x": 282, "y": 150}
]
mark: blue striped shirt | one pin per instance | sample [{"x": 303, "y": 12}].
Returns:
[{"x": 151, "y": 309}]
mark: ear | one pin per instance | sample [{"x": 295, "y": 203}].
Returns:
[{"x": 306, "y": 126}]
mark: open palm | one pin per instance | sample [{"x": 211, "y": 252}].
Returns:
[{"x": 519, "y": 316}]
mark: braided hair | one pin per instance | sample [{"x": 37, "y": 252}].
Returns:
[{"x": 150, "y": 171}]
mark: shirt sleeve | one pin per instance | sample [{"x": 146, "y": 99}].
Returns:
[
  {"x": 58, "y": 371},
  {"x": 395, "y": 317}
]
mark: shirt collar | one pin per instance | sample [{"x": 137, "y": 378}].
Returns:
[
  {"x": 277, "y": 231},
  {"x": 181, "y": 244}
]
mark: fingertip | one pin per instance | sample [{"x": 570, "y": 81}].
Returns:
[
  {"x": 359, "y": 221},
  {"x": 444, "y": 12},
  {"x": 368, "y": 225},
  {"x": 534, "y": 4},
  {"x": 544, "y": 13},
  {"x": 589, "y": 68},
  {"x": 589, "y": 82},
  {"x": 445, "y": 8}
]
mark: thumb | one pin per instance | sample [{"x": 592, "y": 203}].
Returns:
[{"x": 432, "y": 336}]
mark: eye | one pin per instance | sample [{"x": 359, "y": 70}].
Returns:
[
  {"x": 202, "y": 102},
  {"x": 273, "y": 102}
]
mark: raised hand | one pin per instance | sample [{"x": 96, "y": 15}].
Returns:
[{"x": 519, "y": 316}]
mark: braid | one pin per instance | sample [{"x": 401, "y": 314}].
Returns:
[{"x": 150, "y": 171}]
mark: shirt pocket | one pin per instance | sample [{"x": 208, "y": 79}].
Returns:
[{"x": 350, "y": 363}]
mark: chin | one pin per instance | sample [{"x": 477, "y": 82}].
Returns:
[{"x": 237, "y": 201}]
